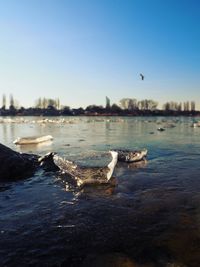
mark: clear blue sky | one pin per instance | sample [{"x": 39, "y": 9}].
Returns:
[{"x": 84, "y": 50}]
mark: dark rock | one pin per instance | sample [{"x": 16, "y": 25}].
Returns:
[
  {"x": 15, "y": 165},
  {"x": 47, "y": 162},
  {"x": 160, "y": 129}
]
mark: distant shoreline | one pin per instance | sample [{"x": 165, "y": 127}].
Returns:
[{"x": 123, "y": 113}]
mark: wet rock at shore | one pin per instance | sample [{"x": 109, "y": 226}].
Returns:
[{"x": 15, "y": 165}]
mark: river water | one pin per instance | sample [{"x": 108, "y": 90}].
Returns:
[{"x": 151, "y": 217}]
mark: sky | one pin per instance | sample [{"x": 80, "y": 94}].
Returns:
[{"x": 84, "y": 50}]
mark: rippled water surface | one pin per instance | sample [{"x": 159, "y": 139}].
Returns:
[{"x": 150, "y": 218}]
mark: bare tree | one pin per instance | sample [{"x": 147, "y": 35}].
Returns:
[
  {"x": 173, "y": 106},
  {"x": 186, "y": 106},
  {"x": 51, "y": 103},
  {"x": 38, "y": 103},
  {"x": 44, "y": 103},
  {"x": 132, "y": 104},
  {"x": 180, "y": 106},
  {"x": 192, "y": 105},
  {"x": 4, "y": 101},
  {"x": 166, "y": 106},
  {"x": 11, "y": 100},
  {"x": 58, "y": 103},
  {"x": 147, "y": 104},
  {"x": 152, "y": 105},
  {"x": 124, "y": 103},
  {"x": 128, "y": 103}
]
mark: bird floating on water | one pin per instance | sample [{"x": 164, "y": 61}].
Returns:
[{"x": 142, "y": 76}]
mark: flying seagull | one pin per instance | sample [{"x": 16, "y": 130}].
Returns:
[{"x": 142, "y": 76}]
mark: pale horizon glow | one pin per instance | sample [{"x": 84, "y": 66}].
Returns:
[{"x": 84, "y": 50}]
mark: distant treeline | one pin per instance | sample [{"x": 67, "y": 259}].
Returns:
[{"x": 126, "y": 107}]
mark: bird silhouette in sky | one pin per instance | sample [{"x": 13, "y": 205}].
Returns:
[{"x": 142, "y": 76}]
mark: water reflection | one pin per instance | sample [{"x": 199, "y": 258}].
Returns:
[
  {"x": 134, "y": 165},
  {"x": 69, "y": 184},
  {"x": 100, "y": 189},
  {"x": 4, "y": 132}
]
